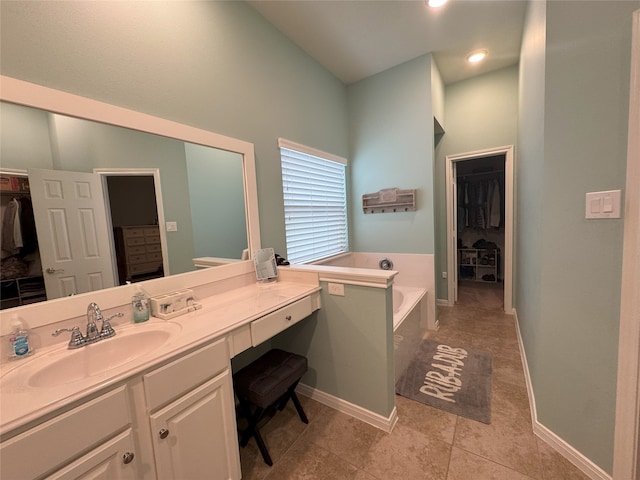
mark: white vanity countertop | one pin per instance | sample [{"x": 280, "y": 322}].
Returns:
[{"x": 21, "y": 403}]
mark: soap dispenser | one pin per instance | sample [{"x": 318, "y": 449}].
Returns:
[
  {"x": 19, "y": 339},
  {"x": 140, "y": 304}
]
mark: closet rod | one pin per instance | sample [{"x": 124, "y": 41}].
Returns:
[
  {"x": 9, "y": 193},
  {"x": 465, "y": 175}
]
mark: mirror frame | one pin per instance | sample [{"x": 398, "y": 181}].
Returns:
[
  {"x": 55, "y": 101},
  {"x": 31, "y": 95}
]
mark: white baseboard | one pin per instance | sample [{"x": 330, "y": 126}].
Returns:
[
  {"x": 367, "y": 416},
  {"x": 554, "y": 441},
  {"x": 442, "y": 302}
]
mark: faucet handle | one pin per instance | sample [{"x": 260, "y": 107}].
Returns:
[
  {"x": 107, "y": 330},
  {"x": 76, "y": 340}
]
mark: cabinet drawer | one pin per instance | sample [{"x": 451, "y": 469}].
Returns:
[
  {"x": 152, "y": 230},
  {"x": 151, "y": 239},
  {"x": 139, "y": 258},
  {"x": 154, "y": 247},
  {"x": 133, "y": 232},
  {"x": 61, "y": 439},
  {"x": 266, "y": 327},
  {"x": 171, "y": 381},
  {"x": 135, "y": 241},
  {"x": 154, "y": 256},
  {"x": 136, "y": 250},
  {"x": 137, "y": 268}
]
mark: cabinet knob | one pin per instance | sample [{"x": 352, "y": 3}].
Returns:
[
  {"x": 164, "y": 433},
  {"x": 288, "y": 318},
  {"x": 128, "y": 458}
]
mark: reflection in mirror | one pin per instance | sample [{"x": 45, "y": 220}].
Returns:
[
  {"x": 197, "y": 192},
  {"x": 265, "y": 263}
]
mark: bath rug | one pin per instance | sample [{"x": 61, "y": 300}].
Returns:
[{"x": 454, "y": 379}]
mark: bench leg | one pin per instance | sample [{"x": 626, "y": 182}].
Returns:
[
  {"x": 252, "y": 431},
  {"x": 299, "y": 409}
]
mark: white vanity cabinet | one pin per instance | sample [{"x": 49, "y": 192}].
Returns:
[
  {"x": 93, "y": 440},
  {"x": 192, "y": 416},
  {"x": 172, "y": 418},
  {"x": 110, "y": 461}
]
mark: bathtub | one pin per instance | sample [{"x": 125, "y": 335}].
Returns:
[
  {"x": 413, "y": 288},
  {"x": 405, "y": 299}
]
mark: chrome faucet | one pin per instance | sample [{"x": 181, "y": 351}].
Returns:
[{"x": 94, "y": 314}]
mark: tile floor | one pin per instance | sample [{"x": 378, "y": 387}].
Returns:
[{"x": 426, "y": 443}]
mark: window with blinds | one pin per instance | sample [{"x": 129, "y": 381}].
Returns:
[{"x": 315, "y": 202}]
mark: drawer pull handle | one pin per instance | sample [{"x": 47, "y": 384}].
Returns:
[
  {"x": 288, "y": 318},
  {"x": 164, "y": 433},
  {"x": 128, "y": 458}
]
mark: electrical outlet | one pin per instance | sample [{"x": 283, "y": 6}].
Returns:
[
  {"x": 444, "y": 274},
  {"x": 336, "y": 289}
]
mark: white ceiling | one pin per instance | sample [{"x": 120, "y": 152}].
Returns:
[{"x": 355, "y": 39}]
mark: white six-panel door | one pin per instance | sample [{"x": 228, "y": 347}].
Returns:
[{"x": 72, "y": 231}]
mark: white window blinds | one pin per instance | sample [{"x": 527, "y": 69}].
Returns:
[{"x": 315, "y": 203}]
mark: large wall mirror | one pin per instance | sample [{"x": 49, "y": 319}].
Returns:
[{"x": 175, "y": 193}]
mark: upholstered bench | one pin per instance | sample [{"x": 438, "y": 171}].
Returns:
[{"x": 265, "y": 386}]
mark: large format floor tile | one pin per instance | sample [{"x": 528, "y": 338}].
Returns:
[{"x": 426, "y": 443}]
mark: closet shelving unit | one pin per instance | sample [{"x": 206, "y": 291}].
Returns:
[
  {"x": 478, "y": 264},
  {"x": 22, "y": 290}
]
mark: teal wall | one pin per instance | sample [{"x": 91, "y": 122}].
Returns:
[
  {"x": 219, "y": 66},
  {"x": 217, "y": 203},
  {"x": 214, "y": 65},
  {"x": 569, "y": 268},
  {"x": 480, "y": 113},
  {"x": 391, "y": 135},
  {"x": 349, "y": 344}
]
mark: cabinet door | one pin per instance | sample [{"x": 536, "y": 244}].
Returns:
[
  {"x": 113, "y": 460},
  {"x": 195, "y": 436}
]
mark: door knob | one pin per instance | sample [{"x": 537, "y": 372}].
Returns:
[{"x": 51, "y": 271}]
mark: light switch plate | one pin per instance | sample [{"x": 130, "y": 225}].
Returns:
[
  {"x": 172, "y": 226},
  {"x": 603, "y": 204},
  {"x": 336, "y": 289}
]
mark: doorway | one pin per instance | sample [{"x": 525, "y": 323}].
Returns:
[
  {"x": 139, "y": 240},
  {"x": 480, "y": 227}
]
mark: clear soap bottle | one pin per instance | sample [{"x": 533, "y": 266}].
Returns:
[
  {"x": 140, "y": 304},
  {"x": 19, "y": 344}
]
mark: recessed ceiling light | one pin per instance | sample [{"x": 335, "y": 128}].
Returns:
[
  {"x": 436, "y": 3},
  {"x": 476, "y": 56}
]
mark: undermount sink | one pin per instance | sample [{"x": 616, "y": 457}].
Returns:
[{"x": 64, "y": 366}]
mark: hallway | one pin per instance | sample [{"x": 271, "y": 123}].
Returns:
[{"x": 426, "y": 443}]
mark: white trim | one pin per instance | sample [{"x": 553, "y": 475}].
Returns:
[
  {"x": 314, "y": 152},
  {"x": 558, "y": 444},
  {"x": 507, "y": 151},
  {"x": 31, "y": 95},
  {"x": 626, "y": 453},
  {"x": 374, "y": 419},
  {"x": 152, "y": 172},
  {"x": 351, "y": 282},
  {"x": 350, "y": 276},
  {"x": 527, "y": 376},
  {"x": 442, "y": 302},
  {"x": 18, "y": 172},
  {"x": 585, "y": 465}
]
